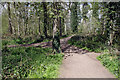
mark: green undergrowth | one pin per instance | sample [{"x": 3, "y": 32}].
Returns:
[
  {"x": 111, "y": 62},
  {"x": 25, "y": 40},
  {"x": 28, "y": 40},
  {"x": 90, "y": 43},
  {"x": 30, "y": 62}
]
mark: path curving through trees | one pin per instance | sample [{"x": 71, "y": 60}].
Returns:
[{"x": 77, "y": 63}]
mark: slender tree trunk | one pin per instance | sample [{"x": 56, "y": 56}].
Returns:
[
  {"x": 54, "y": 28},
  {"x": 15, "y": 19},
  {"x": 111, "y": 34},
  {"x": 13, "y": 26},
  {"x": 104, "y": 28},
  {"x": 45, "y": 18},
  {"x": 26, "y": 26},
  {"x": 23, "y": 19},
  {"x": 26, "y": 21},
  {"x": 9, "y": 16},
  {"x": 23, "y": 26},
  {"x": 51, "y": 28},
  {"x": 33, "y": 31},
  {"x": 18, "y": 18},
  {"x": 39, "y": 26},
  {"x": 65, "y": 29},
  {"x": 18, "y": 26},
  {"x": 60, "y": 26}
]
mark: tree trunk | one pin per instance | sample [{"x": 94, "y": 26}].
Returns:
[
  {"x": 60, "y": 26},
  {"x": 39, "y": 26},
  {"x": 26, "y": 19},
  {"x": 18, "y": 25},
  {"x": 111, "y": 34},
  {"x": 9, "y": 18},
  {"x": 56, "y": 39},
  {"x": 45, "y": 18},
  {"x": 26, "y": 29},
  {"x": 65, "y": 29},
  {"x": 104, "y": 28},
  {"x": 54, "y": 28}
]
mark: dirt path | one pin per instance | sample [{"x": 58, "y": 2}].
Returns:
[
  {"x": 42, "y": 44},
  {"x": 77, "y": 63}
]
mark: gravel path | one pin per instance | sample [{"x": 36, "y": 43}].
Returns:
[{"x": 79, "y": 63}]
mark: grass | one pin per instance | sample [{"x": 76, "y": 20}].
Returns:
[{"x": 31, "y": 62}]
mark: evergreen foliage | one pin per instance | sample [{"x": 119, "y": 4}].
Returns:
[{"x": 74, "y": 17}]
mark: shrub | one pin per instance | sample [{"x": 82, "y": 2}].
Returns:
[{"x": 90, "y": 43}]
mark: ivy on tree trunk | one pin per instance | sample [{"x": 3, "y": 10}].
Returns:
[{"x": 56, "y": 39}]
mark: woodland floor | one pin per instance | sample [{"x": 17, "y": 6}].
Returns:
[{"x": 77, "y": 63}]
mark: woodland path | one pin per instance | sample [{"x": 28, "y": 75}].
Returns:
[{"x": 77, "y": 63}]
